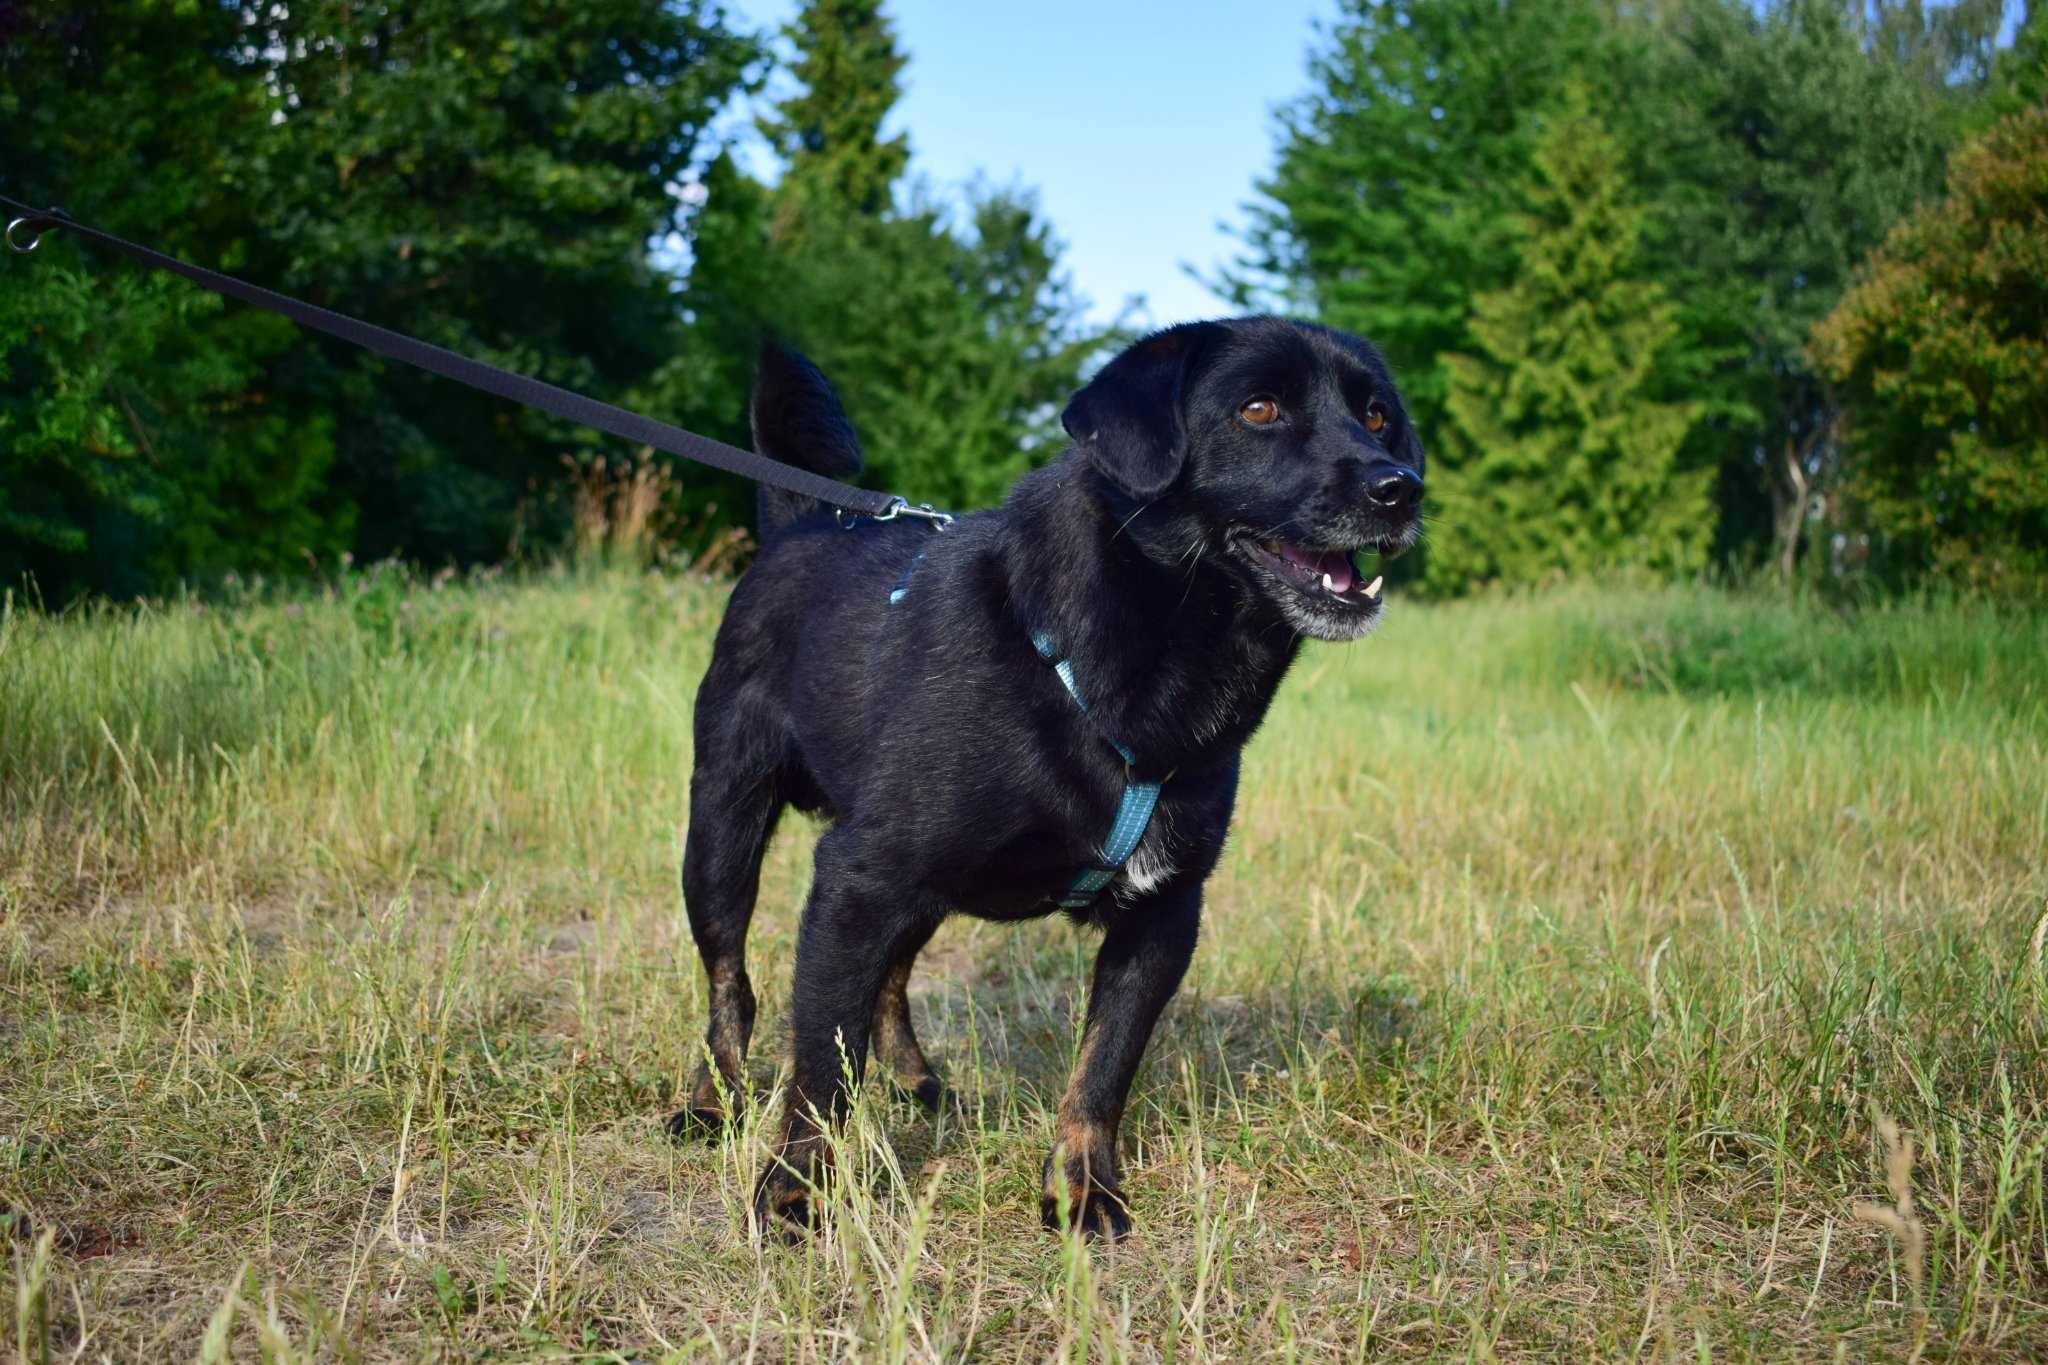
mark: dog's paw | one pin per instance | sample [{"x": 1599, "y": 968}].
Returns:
[
  {"x": 926, "y": 1089},
  {"x": 696, "y": 1121},
  {"x": 704, "y": 1113},
  {"x": 783, "y": 1205},
  {"x": 1099, "y": 1213}
]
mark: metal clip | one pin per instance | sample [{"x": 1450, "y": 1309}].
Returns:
[
  {"x": 41, "y": 226},
  {"x": 898, "y": 507},
  {"x": 923, "y": 511}
]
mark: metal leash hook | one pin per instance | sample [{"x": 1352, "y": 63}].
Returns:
[
  {"x": 898, "y": 507},
  {"x": 40, "y": 224},
  {"x": 923, "y": 511}
]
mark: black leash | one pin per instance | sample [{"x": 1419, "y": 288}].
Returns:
[{"x": 519, "y": 388}]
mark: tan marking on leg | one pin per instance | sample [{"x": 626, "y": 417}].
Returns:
[
  {"x": 726, "y": 1037},
  {"x": 1084, "y": 1148},
  {"x": 1077, "y": 1159},
  {"x": 894, "y": 1040},
  {"x": 800, "y": 1165},
  {"x": 892, "y": 1010}
]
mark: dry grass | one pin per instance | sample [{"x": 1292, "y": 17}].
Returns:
[{"x": 1564, "y": 951}]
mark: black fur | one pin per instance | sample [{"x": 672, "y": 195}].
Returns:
[
  {"x": 958, "y": 773},
  {"x": 794, "y": 409}
]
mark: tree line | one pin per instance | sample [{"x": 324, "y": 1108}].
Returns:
[
  {"x": 1648, "y": 274},
  {"x": 1669, "y": 285}
]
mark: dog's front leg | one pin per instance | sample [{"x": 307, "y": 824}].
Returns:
[
  {"x": 1143, "y": 957},
  {"x": 853, "y": 928}
]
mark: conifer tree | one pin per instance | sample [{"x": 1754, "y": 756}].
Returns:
[
  {"x": 147, "y": 431},
  {"x": 486, "y": 177},
  {"x": 1557, "y": 455},
  {"x": 952, "y": 336},
  {"x": 1772, "y": 142},
  {"x": 1394, "y": 178},
  {"x": 829, "y": 135}
]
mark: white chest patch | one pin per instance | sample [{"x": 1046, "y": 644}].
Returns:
[{"x": 1149, "y": 867}]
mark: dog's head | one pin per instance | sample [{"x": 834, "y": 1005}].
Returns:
[{"x": 1286, "y": 444}]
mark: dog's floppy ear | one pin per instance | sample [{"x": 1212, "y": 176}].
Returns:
[{"x": 1128, "y": 419}]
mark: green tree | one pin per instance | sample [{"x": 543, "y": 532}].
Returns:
[
  {"x": 146, "y": 431},
  {"x": 1941, "y": 350},
  {"x": 829, "y": 134},
  {"x": 952, "y": 336},
  {"x": 1775, "y": 145},
  {"x": 2019, "y": 78},
  {"x": 1388, "y": 208},
  {"x": 1770, "y": 144},
  {"x": 1555, "y": 456},
  {"x": 491, "y": 178}
]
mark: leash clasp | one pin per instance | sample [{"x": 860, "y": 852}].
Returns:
[
  {"x": 898, "y": 507},
  {"x": 38, "y": 223},
  {"x": 923, "y": 511}
]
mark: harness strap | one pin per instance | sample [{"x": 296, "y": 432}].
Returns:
[{"x": 1133, "y": 810}]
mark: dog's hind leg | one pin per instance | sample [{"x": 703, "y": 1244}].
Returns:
[
  {"x": 895, "y": 1041},
  {"x": 859, "y": 921},
  {"x": 731, "y": 816}
]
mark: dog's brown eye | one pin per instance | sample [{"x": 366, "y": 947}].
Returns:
[
  {"x": 1375, "y": 419},
  {"x": 1259, "y": 411}
]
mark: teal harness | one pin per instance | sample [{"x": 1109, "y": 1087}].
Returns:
[{"x": 1133, "y": 810}]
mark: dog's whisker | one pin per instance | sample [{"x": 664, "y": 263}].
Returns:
[
  {"x": 1126, "y": 524},
  {"x": 1189, "y": 588}
]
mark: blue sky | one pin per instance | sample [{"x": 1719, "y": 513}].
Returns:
[{"x": 1141, "y": 124}]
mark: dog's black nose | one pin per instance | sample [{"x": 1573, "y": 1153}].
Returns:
[{"x": 1394, "y": 488}]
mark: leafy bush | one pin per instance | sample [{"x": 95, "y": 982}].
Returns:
[{"x": 1943, "y": 348}]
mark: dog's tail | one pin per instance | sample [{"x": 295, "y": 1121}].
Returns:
[{"x": 798, "y": 420}]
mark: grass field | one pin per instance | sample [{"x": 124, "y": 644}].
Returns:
[{"x": 1569, "y": 959}]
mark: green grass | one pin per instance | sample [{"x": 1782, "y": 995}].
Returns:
[{"x": 1565, "y": 952}]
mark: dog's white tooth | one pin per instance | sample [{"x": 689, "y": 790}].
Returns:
[
  {"x": 1329, "y": 584},
  {"x": 1372, "y": 589}
]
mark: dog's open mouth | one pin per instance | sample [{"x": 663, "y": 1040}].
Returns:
[{"x": 1327, "y": 574}]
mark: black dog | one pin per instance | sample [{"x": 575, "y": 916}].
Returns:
[{"x": 988, "y": 713}]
